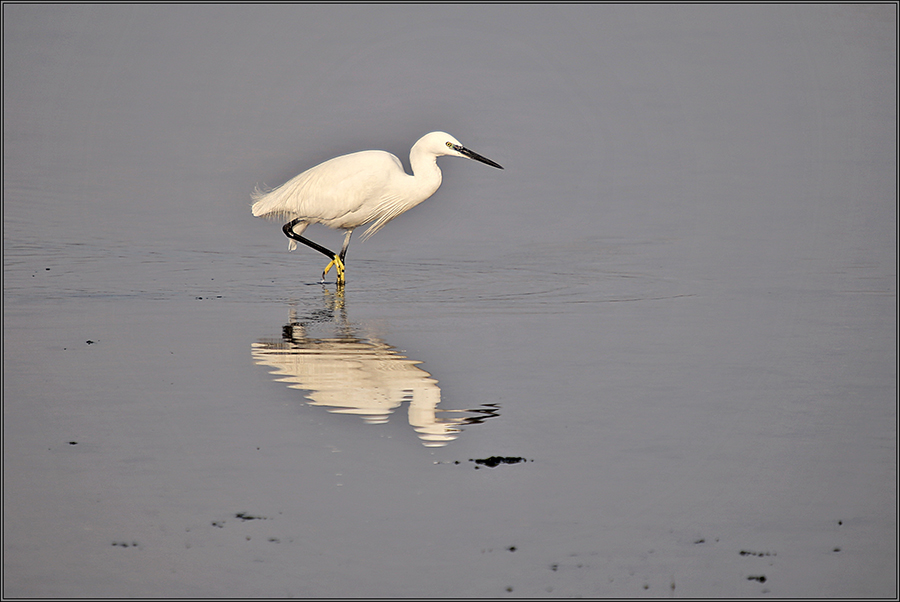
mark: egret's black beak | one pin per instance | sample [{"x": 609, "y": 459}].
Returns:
[{"x": 466, "y": 152}]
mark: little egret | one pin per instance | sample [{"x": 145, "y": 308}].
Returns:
[{"x": 352, "y": 190}]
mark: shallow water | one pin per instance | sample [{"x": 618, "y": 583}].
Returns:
[{"x": 676, "y": 305}]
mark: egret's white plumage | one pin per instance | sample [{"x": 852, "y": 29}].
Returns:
[{"x": 357, "y": 189}]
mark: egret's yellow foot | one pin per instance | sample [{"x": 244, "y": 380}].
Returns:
[{"x": 338, "y": 267}]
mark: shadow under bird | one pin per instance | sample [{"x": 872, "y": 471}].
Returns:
[{"x": 357, "y": 189}]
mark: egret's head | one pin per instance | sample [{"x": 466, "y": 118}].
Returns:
[{"x": 442, "y": 143}]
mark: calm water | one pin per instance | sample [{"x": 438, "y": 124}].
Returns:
[{"x": 673, "y": 314}]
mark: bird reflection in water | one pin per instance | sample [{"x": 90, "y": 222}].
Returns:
[{"x": 350, "y": 373}]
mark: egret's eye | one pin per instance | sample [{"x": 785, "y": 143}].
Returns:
[{"x": 449, "y": 144}]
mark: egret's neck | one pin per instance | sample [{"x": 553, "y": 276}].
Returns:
[{"x": 426, "y": 173}]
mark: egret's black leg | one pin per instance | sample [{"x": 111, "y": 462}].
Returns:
[
  {"x": 289, "y": 232},
  {"x": 336, "y": 260},
  {"x": 346, "y": 244}
]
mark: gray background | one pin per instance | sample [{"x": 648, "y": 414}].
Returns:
[{"x": 679, "y": 298}]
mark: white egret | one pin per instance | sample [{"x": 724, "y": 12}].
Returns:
[{"x": 353, "y": 190}]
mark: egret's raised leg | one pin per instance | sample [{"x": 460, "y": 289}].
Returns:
[
  {"x": 338, "y": 261},
  {"x": 288, "y": 230}
]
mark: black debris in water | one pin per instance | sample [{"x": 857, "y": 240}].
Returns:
[
  {"x": 247, "y": 516},
  {"x": 494, "y": 461}
]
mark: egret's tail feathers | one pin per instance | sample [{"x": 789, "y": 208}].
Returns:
[
  {"x": 267, "y": 202},
  {"x": 258, "y": 193},
  {"x": 259, "y": 201}
]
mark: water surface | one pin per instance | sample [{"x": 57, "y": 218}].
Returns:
[{"x": 674, "y": 311}]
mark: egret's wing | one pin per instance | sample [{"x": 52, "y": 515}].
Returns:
[{"x": 329, "y": 192}]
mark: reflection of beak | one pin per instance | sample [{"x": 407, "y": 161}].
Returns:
[{"x": 466, "y": 152}]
